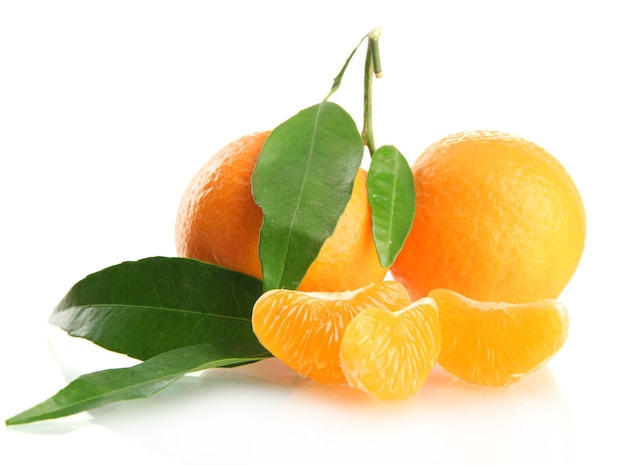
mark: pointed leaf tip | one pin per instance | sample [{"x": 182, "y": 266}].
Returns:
[{"x": 100, "y": 388}]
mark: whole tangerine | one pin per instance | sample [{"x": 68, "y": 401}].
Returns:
[
  {"x": 497, "y": 219},
  {"x": 219, "y": 222}
]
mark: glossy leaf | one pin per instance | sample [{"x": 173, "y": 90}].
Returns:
[
  {"x": 157, "y": 304},
  {"x": 104, "y": 387},
  {"x": 391, "y": 195},
  {"x": 302, "y": 181}
]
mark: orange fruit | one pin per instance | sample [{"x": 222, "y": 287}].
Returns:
[
  {"x": 497, "y": 218},
  {"x": 304, "y": 329},
  {"x": 496, "y": 344},
  {"x": 389, "y": 354},
  {"x": 219, "y": 222}
]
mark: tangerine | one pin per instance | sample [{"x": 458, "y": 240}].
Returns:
[
  {"x": 305, "y": 329},
  {"x": 497, "y": 218},
  {"x": 219, "y": 222},
  {"x": 497, "y": 344},
  {"x": 390, "y": 354}
]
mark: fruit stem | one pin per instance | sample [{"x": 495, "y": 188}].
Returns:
[{"x": 372, "y": 68}]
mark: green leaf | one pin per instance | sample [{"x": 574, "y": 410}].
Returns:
[
  {"x": 104, "y": 387},
  {"x": 157, "y": 304},
  {"x": 391, "y": 195},
  {"x": 302, "y": 181}
]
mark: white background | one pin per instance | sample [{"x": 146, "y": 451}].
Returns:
[{"x": 108, "y": 108}]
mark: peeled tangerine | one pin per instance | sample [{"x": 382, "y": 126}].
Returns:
[
  {"x": 496, "y": 344},
  {"x": 304, "y": 329},
  {"x": 389, "y": 354}
]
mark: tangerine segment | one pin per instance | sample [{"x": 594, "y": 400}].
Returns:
[
  {"x": 389, "y": 355},
  {"x": 304, "y": 329},
  {"x": 496, "y": 344}
]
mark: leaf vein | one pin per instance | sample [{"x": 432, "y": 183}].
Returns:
[{"x": 119, "y": 307}]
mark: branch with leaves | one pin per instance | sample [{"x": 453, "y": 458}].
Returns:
[{"x": 178, "y": 315}]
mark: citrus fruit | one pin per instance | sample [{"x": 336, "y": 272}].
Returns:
[
  {"x": 496, "y": 344},
  {"x": 389, "y": 354},
  {"x": 304, "y": 329},
  {"x": 497, "y": 218},
  {"x": 219, "y": 222}
]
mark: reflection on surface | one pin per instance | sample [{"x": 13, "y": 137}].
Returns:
[{"x": 265, "y": 413}]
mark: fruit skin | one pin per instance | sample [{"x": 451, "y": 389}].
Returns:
[
  {"x": 497, "y": 344},
  {"x": 389, "y": 355},
  {"x": 219, "y": 222},
  {"x": 497, "y": 218},
  {"x": 305, "y": 329}
]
